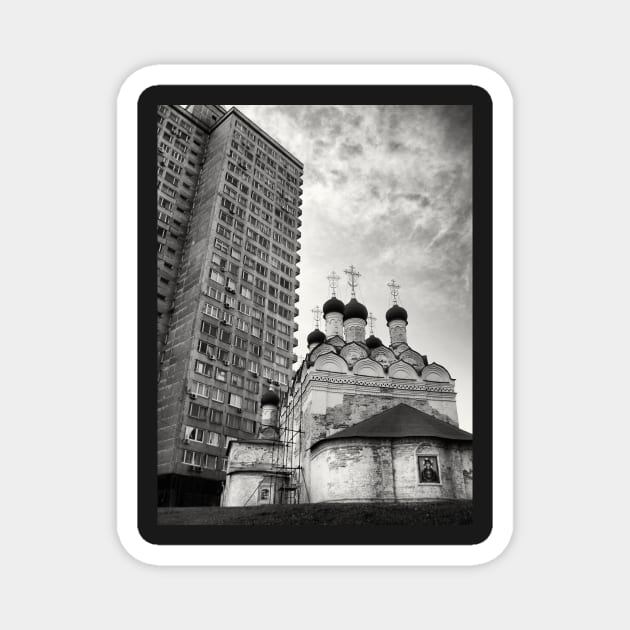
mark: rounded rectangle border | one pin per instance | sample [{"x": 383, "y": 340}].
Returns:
[{"x": 502, "y": 309}]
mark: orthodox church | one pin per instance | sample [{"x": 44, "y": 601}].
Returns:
[{"x": 362, "y": 421}]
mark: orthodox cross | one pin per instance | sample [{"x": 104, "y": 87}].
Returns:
[
  {"x": 333, "y": 280},
  {"x": 316, "y": 313},
  {"x": 393, "y": 289},
  {"x": 371, "y": 319},
  {"x": 353, "y": 274}
]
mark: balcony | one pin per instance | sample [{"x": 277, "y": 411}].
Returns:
[
  {"x": 299, "y": 203},
  {"x": 297, "y": 311},
  {"x": 298, "y": 258},
  {"x": 297, "y": 284},
  {"x": 296, "y": 327},
  {"x": 297, "y": 298},
  {"x": 299, "y": 212},
  {"x": 294, "y": 358},
  {"x": 298, "y": 247},
  {"x": 295, "y": 342}
]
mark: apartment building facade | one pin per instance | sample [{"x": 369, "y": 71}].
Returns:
[{"x": 229, "y": 199}]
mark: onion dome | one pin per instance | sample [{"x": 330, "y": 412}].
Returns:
[
  {"x": 334, "y": 305},
  {"x": 373, "y": 342},
  {"x": 396, "y": 312},
  {"x": 354, "y": 308},
  {"x": 270, "y": 398},
  {"x": 317, "y": 336}
]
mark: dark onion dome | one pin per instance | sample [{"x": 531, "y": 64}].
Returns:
[
  {"x": 270, "y": 398},
  {"x": 355, "y": 309},
  {"x": 396, "y": 312},
  {"x": 317, "y": 336},
  {"x": 334, "y": 305},
  {"x": 373, "y": 342}
]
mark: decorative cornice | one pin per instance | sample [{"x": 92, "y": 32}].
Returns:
[{"x": 381, "y": 384}]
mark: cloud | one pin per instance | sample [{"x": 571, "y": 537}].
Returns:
[{"x": 388, "y": 189}]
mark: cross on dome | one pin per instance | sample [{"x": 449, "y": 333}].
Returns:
[
  {"x": 394, "y": 290},
  {"x": 353, "y": 275},
  {"x": 371, "y": 319},
  {"x": 316, "y": 315},
  {"x": 333, "y": 281}
]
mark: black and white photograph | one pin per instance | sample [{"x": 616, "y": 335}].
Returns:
[{"x": 314, "y": 315}]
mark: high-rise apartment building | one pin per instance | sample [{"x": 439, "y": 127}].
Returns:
[{"x": 228, "y": 230}]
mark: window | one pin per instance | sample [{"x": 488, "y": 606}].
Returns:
[
  {"x": 236, "y": 380},
  {"x": 221, "y": 375},
  {"x": 224, "y": 335},
  {"x": 282, "y": 361},
  {"x": 256, "y": 331},
  {"x": 246, "y": 293},
  {"x": 235, "y": 253},
  {"x": 240, "y": 342},
  {"x": 203, "y": 368},
  {"x": 218, "y": 395},
  {"x": 238, "y": 361},
  {"x": 223, "y": 231},
  {"x": 208, "y": 328},
  {"x": 213, "y": 439},
  {"x": 197, "y": 411},
  {"x": 192, "y": 458},
  {"x": 283, "y": 344},
  {"x": 199, "y": 389},
  {"x": 222, "y": 246},
  {"x": 205, "y": 348},
  {"x": 270, "y": 338},
  {"x": 210, "y": 461},
  {"x": 256, "y": 349},
  {"x": 242, "y": 325},
  {"x": 259, "y": 299},
  {"x": 252, "y": 366},
  {"x": 250, "y": 405},
  {"x": 216, "y": 416},
  {"x": 248, "y": 425},
  {"x": 233, "y": 422},
  {"x": 217, "y": 277},
  {"x": 211, "y": 310},
  {"x": 252, "y": 386},
  {"x": 193, "y": 434}
]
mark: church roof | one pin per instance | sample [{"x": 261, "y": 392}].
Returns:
[{"x": 401, "y": 421}]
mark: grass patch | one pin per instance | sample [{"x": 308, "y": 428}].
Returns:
[{"x": 425, "y": 513}]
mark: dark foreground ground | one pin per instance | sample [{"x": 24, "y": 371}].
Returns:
[{"x": 430, "y": 513}]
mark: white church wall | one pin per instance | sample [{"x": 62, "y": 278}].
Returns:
[
  {"x": 241, "y": 489},
  {"x": 453, "y": 459},
  {"x": 352, "y": 471}
]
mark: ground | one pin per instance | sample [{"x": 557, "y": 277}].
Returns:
[{"x": 426, "y": 513}]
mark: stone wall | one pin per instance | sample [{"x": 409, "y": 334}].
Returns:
[{"x": 360, "y": 469}]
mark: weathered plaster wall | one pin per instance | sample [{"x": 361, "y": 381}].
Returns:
[{"x": 385, "y": 470}]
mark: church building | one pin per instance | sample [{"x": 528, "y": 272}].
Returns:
[{"x": 363, "y": 421}]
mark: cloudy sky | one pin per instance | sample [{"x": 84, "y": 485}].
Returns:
[{"x": 388, "y": 190}]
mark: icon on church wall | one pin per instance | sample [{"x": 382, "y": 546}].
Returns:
[{"x": 429, "y": 472}]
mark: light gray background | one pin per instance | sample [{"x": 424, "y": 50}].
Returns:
[{"x": 63, "y": 63}]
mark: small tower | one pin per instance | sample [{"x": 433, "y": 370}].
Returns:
[
  {"x": 333, "y": 310},
  {"x": 354, "y": 313},
  {"x": 396, "y": 317},
  {"x": 316, "y": 336},
  {"x": 372, "y": 342},
  {"x": 269, "y": 402}
]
